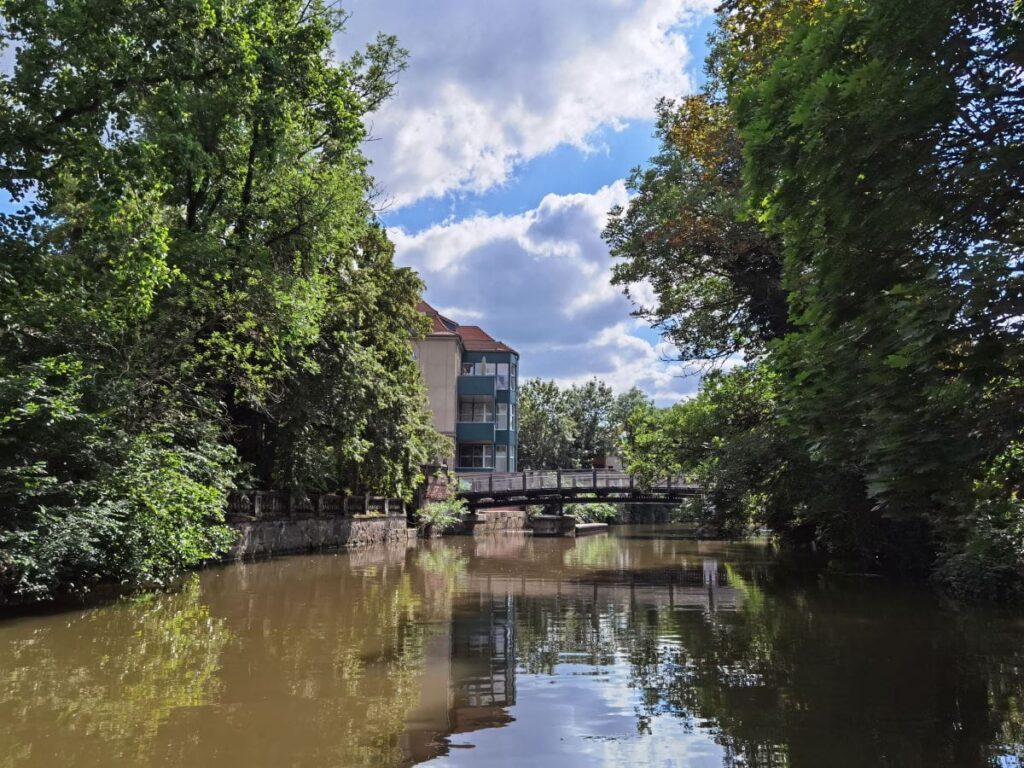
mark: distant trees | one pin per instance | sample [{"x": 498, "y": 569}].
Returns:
[
  {"x": 840, "y": 209},
  {"x": 194, "y": 290},
  {"x": 567, "y": 428}
]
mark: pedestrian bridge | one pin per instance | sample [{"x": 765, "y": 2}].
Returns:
[{"x": 483, "y": 490}]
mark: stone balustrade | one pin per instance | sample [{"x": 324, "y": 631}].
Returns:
[{"x": 282, "y": 505}]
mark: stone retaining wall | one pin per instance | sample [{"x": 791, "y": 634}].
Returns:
[
  {"x": 261, "y": 538},
  {"x": 495, "y": 521}
]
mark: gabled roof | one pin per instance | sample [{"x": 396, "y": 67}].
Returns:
[
  {"x": 439, "y": 323},
  {"x": 473, "y": 337}
]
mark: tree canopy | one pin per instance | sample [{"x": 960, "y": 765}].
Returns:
[
  {"x": 195, "y": 291},
  {"x": 566, "y": 428},
  {"x": 875, "y": 161}
]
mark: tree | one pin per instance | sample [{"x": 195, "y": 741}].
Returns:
[
  {"x": 546, "y": 429},
  {"x": 716, "y": 275},
  {"x": 589, "y": 407},
  {"x": 194, "y": 289},
  {"x": 870, "y": 153},
  {"x": 884, "y": 145},
  {"x": 568, "y": 428}
]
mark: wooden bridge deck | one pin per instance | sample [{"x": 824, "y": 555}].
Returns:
[{"x": 493, "y": 489}]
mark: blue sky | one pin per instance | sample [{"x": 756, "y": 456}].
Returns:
[{"x": 505, "y": 145}]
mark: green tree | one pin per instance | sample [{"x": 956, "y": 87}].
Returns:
[
  {"x": 884, "y": 145},
  {"x": 545, "y": 427},
  {"x": 870, "y": 153},
  {"x": 568, "y": 428},
  {"x": 590, "y": 410},
  {"x": 194, "y": 289}
]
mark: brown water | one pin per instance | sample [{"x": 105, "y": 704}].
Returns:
[{"x": 635, "y": 648}]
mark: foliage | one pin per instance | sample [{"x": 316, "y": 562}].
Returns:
[
  {"x": 599, "y": 512},
  {"x": 716, "y": 276},
  {"x": 866, "y": 157},
  {"x": 445, "y": 514},
  {"x": 194, "y": 289},
  {"x": 441, "y": 515},
  {"x": 729, "y": 440},
  {"x": 567, "y": 428}
]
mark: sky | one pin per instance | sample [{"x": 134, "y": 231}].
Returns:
[{"x": 507, "y": 141}]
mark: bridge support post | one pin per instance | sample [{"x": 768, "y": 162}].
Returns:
[
  {"x": 558, "y": 477},
  {"x": 524, "y": 482},
  {"x": 594, "y": 471}
]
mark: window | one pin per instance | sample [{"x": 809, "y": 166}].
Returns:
[
  {"x": 501, "y": 458},
  {"x": 512, "y": 416},
  {"x": 512, "y": 460},
  {"x": 502, "y": 375},
  {"x": 502, "y": 416},
  {"x": 475, "y": 455},
  {"x": 482, "y": 368},
  {"x": 476, "y": 408},
  {"x": 513, "y": 371}
]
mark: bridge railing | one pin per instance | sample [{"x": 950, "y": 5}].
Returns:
[{"x": 506, "y": 483}]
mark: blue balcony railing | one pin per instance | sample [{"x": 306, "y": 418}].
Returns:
[
  {"x": 475, "y": 431},
  {"x": 476, "y": 385}
]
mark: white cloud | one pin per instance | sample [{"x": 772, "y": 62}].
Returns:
[
  {"x": 492, "y": 84},
  {"x": 540, "y": 281}
]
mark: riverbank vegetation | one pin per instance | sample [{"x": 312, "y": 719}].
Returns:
[
  {"x": 833, "y": 226},
  {"x": 195, "y": 292}
]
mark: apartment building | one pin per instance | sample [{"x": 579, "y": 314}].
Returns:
[{"x": 472, "y": 383}]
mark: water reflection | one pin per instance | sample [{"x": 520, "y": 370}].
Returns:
[{"x": 638, "y": 648}]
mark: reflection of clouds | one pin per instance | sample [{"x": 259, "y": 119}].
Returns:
[{"x": 586, "y": 720}]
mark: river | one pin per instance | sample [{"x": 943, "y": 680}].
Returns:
[{"x": 638, "y": 647}]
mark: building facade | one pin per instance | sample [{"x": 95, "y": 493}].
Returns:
[{"x": 472, "y": 383}]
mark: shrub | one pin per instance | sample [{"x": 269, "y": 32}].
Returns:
[
  {"x": 601, "y": 512},
  {"x": 441, "y": 515},
  {"x": 446, "y": 514}
]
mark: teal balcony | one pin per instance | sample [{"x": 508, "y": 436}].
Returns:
[
  {"x": 475, "y": 431},
  {"x": 476, "y": 385}
]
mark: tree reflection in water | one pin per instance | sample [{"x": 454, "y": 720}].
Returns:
[
  {"x": 111, "y": 676},
  {"x": 396, "y": 656}
]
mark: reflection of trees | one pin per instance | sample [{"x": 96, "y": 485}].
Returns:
[
  {"x": 805, "y": 675},
  {"x": 376, "y": 659},
  {"x": 441, "y": 568},
  {"x": 327, "y": 668},
  {"x": 113, "y": 676},
  {"x": 828, "y": 678},
  {"x": 593, "y": 551}
]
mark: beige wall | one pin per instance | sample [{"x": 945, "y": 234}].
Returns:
[{"x": 440, "y": 359}]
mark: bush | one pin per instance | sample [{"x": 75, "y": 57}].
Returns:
[
  {"x": 985, "y": 559},
  {"x": 446, "y": 514},
  {"x": 601, "y": 512},
  {"x": 441, "y": 515},
  {"x": 154, "y": 513}
]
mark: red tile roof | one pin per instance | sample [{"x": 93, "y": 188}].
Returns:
[
  {"x": 439, "y": 323},
  {"x": 474, "y": 338}
]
